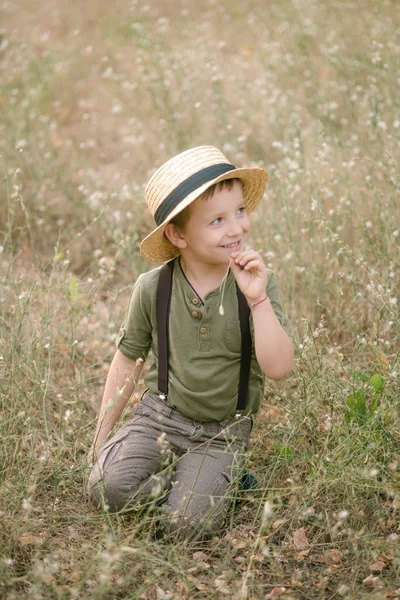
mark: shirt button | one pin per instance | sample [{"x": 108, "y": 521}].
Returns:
[
  {"x": 203, "y": 330},
  {"x": 195, "y": 301},
  {"x": 194, "y": 313}
]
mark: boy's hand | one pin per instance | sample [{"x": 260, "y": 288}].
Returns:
[{"x": 250, "y": 273}]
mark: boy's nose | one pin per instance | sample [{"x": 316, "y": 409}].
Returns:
[{"x": 234, "y": 228}]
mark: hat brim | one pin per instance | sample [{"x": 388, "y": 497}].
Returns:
[{"x": 156, "y": 247}]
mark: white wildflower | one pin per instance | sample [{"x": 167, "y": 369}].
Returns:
[
  {"x": 27, "y": 504},
  {"x": 343, "y": 514},
  {"x": 268, "y": 510},
  {"x": 21, "y": 144}
]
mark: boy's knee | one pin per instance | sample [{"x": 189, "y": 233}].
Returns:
[
  {"x": 194, "y": 520},
  {"x": 183, "y": 527},
  {"x": 108, "y": 489}
]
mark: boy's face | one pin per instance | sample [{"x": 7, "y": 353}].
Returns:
[{"x": 215, "y": 227}]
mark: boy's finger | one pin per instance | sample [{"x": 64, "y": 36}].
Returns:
[
  {"x": 246, "y": 258},
  {"x": 237, "y": 253},
  {"x": 245, "y": 254},
  {"x": 253, "y": 264}
]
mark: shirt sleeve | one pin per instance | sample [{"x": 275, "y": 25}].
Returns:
[
  {"x": 272, "y": 291},
  {"x": 134, "y": 338}
]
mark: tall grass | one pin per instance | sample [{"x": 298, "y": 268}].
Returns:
[{"x": 92, "y": 100}]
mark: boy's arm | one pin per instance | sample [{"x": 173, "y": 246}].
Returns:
[
  {"x": 274, "y": 351},
  {"x": 121, "y": 381}
]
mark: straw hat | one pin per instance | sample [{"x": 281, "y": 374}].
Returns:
[{"x": 179, "y": 181}]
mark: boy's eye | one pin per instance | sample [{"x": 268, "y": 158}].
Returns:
[{"x": 239, "y": 211}]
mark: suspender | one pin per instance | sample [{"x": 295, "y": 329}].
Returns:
[
  {"x": 163, "y": 304},
  {"x": 245, "y": 349}
]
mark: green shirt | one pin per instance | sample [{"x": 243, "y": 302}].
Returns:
[{"x": 204, "y": 346}]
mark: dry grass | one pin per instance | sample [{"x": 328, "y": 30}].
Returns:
[{"x": 94, "y": 96}]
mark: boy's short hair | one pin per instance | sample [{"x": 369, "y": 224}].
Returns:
[{"x": 227, "y": 184}]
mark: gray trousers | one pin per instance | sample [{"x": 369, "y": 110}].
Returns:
[{"x": 189, "y": 468}]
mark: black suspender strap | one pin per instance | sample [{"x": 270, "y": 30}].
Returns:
[
  {"x": 245, "y": 359},
  {"x": 163, "y": 304}
]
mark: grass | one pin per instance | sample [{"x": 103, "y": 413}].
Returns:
[{"x": 91, "y": 102}]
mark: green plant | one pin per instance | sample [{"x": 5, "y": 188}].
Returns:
[{"x": 364, "y": 400}]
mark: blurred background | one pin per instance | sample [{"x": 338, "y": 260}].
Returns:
[{"x": 94, "y": 96}]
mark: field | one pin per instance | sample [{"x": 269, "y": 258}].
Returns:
[{"x": 93, "y": 97}]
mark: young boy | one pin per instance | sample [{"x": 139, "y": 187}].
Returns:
[{"x": 205, "y": 383}]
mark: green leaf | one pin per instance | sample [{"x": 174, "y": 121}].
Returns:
[
  {"x": 283, "y": 451},
  {"x": 374, "y": 404},
  {"x": 357, "y": 375},
  {"x": 377, "y": 383},
  {"x": 356, "y": 403}
]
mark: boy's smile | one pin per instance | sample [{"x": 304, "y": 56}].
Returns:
[
  {"x": 234, "y": 245},
  {"x": 214, "y": 229}
]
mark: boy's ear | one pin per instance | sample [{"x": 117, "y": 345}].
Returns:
[{"x": 175, "y": 235}]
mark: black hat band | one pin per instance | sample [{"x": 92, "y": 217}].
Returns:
[{"x": 186, "y": 187}]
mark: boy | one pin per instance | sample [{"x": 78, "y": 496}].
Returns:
[{"x": 205, "y": 383}]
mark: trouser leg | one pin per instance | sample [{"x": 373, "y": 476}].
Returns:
[
  {"x": 132, "y": 467},
  {"x": 205, "y": 480},
  {"x": 211, "y": 457}
]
